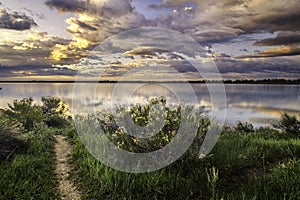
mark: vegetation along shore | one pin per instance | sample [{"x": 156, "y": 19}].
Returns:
[{"x": 42, "y": 157}]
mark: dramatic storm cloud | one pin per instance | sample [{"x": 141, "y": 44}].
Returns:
[{"x": 15, "y": 21}]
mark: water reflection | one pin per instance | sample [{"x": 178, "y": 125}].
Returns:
[{"x": 259, "y": 104}]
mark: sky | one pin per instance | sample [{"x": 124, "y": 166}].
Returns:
[{"x": 58, "y": 39}]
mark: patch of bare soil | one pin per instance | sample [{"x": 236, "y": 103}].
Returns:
[{"x": 66, "y": 188}]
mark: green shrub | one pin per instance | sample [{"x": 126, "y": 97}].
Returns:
[
  {"x": 55, "y": 112},
  {"x": 183, "y": 179},
  {"x": 289, "y": 124},
  {"x": 52, "y": 112},
  {"x": 24, "y": 112},
  {"x": 244, "y": 127},
  {"x": 143, "y": 115}
]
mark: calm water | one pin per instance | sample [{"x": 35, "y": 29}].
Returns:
[{"x": 259, "y": 104}]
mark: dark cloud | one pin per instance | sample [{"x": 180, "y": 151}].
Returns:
[
  {"x": 288, "y": 21},
  {"x": 101, "y": 7},
  {"x": 268, "y": 65},
  {"x": 292, "y": 50},
  {"x": 210, "y": 22},
  {"x": 278, "y": 41},
  {"x": 145, "y": 52},
  {"x": 68, "y": 5},
  {"x": 84, "y": 25},
  {"x": 29, "y": 70},
  {"x": 214, "y": 21},
  {"x": 156, "y": 39},
  {"x": 182, "y": 66},
  {"x": 220, "y": 55},
  {"x": 15, "y": 21},
  {"x": 233, "y": 68}
]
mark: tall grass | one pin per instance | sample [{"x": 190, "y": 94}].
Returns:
[
  {"x": 282, "y": 182},
  {"x": 237, "y": 161},
  {"x": 10, "y": 142},
  {"x": 30, "y": 175}
]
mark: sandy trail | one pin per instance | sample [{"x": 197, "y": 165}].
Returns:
[{"x": 66, "y": 188}]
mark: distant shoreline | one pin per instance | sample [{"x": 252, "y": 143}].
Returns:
[{"x": 265, "y": 81}]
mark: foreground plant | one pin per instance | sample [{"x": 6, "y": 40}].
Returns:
[
  {"x": 289, "y": 124},
  {"x": 164, "y": 123},
  {"x": 10, "y": 143}
]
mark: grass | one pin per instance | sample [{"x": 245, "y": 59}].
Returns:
[
  {"x": 252, "y": 165},
  {"x": 282, "y": 182},
  {"x": 256, "y": 165},
  {"x": 10, "y": 143},
  {"x": 30, "y": 175}
]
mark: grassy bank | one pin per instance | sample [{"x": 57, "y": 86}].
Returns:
[
  {"x": 30, "y": 175},
  {"x": 259, "y": 165},
  {"x": 27, "y": 159},
  {"x": 244, "y": 164}
]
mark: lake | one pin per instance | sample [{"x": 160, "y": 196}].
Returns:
[{"x": 258, "y": 104}]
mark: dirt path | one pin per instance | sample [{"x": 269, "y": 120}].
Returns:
[{"x": 66, "y": 188}]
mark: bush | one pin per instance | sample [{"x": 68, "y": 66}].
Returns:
[
  {"x": 289, "y": 124},
  {"x": 143, "y": 115},
  {"x": 244, "y": 127},
  {"x": 55, "y": 112},
  {"x": 140, "y": 115},
  {"x": 24, "y": 112}
]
